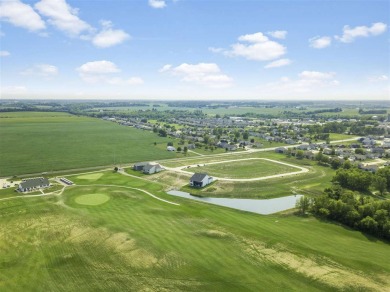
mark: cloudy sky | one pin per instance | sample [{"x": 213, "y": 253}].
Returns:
[{"x": 190, "y": 49}]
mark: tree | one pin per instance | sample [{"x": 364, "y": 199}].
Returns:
[
  {"x": 185, "y": 150},
  {"x": 155, "y": 143},
  {"x": 252, "y": 140},
  {"x": 245, "y": 135},
  {"x": 336, "y": 163},
  {"x": 299, "y": 154},
  {"x": 380, "y": 183},
  {"x": 179, "y": 149},
  {"x": 162, "y": 133},
  {"x": 116, "y": 169},
  {"x": 359, "y": 151},
  {"x": 170, "y": 144},
  {"x": 303, "y": 204}
]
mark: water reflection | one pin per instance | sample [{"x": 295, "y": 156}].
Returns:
[{"x": 263, "y": 207}]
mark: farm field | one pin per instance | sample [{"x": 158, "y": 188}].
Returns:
[
  {"x": 33, "y": 142},
  {"x": 243, "y": 168},
  {"x": 103, "y": 235}
]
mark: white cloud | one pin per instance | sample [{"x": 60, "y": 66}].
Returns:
[
  {"x": 157, "y": 3},
  {"x": 307, "y": 82},
  {"x": 278, "y": 63},
  {"x": 350, "y": 34},
  {"x": 109, "y": 37},
  {"x": 21, "y": 15},
  {"x": 104, "y": 72},
  {"x": 216, "y": 50},
  {"x": 320, "y": 42},
  {"x": 256, "y": 47},
  {"x": 207, "y": 74},
  {"x": 63, "y": 17},
  {"x": 378, "y": 78},
  {"x": 278, "y": 34},
  {"x": 43, "y": 70},
  {"x": 4, "y": 53},
  {"x": 13, "y": 90}
]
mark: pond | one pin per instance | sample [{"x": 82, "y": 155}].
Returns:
[{"x": 263, "y": 207}]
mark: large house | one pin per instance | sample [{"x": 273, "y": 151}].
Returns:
[
  {"x": 33, "y": 183},
  {"x": 200, "y": 180},
  {"x": 151, "y": 168},
  {"x": 148, "y": 167}
]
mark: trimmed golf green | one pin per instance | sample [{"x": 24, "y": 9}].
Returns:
[{"x": 92, "y": 199}]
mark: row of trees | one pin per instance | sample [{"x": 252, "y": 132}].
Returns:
[
  {"x": 347, "y": 207},
  {"x": 358, "y": 180}
]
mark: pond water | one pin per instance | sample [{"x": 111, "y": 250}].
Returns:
[{"x": 263, "y": 207}]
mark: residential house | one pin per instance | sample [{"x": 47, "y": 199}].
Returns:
[
  {"x": 200, "y": 180},
  {"x": 33, "y": 183},
  {"x": 151, "y": 168},
  {"x": 171, "y": 148},
  {"x": 139, "y": 166}
]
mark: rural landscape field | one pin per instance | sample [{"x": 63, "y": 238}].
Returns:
[{"x": 166, "y": 145}]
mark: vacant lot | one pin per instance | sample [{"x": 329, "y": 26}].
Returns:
[
  {"x": 134, "y": 242},
  {"x": 250, "y": 168},
  {"x": 42, "y": 142}
]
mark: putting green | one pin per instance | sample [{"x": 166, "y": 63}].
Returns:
[
  {"x": 92, "y": 199},
  {"x": 91, "y": 176}
]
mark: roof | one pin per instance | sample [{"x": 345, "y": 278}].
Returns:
[
  {"x": 149, "y": 167},
  {"x": 34, "y": 182},
  {"x": 198, "y": 177},
  {"x": 140, "y": 164}
]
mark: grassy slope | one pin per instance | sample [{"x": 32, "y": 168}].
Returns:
[
  {"x": 134, "y": 242},
  {"x": 38, "y": 142}
]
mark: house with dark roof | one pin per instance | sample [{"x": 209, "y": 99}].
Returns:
[
  {"x": 33, "y": 183},
  {"x": 139, "y": 165},
  {"x": 200, "y": 180}
]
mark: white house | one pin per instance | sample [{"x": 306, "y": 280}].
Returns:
[
  {"x": 200, "y": 180},
  {"x": 151, "y": 168},
  {"x": 171, "y": 148}
]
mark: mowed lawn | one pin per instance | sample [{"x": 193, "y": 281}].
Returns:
[
  {"x": 34, "y": 142},
  {"x": 132, "y": 242},
  {"x": 251, "y": 168}
]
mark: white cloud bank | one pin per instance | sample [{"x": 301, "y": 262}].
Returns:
[
  {"x": 109, "y": 37},
  {"x": 257, "y": 47},
  {"x": 21, "y": 15},
  {"x": 278, "y": 63},
  {"x": 278, "y": 34},
  {"x": 63, "y": 17},
  {"x": 350, "y": 34},
  {"x": 43, "y": 70},
  {"x": 307, "y": 82},
  {"x": 320, "y": 42},
  {"x": 4, "y": 53},
  {"x": 104, "y": 72},
  {"x": 158, "y": 4},
  {"x": 207, "y": 74}
]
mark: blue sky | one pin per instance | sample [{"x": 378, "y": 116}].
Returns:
[{"x": 182, "y": 49}]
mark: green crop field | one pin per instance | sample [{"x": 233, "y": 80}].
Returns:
[
  {"x": 251, "y": 168},
  {"x": 34, "y": 142},
  {"x": 133, "y": 242}
]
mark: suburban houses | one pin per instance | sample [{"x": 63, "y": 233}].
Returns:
[{"x": 148, "y": 167}]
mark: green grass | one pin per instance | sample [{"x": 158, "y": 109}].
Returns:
[
  {"x": 134, "y": 242},
  {"x": 243, "y": 169},
  {"x": 34, "y": 142},
  {"x": 92, "y": 199},
  {"x": 335, "y": 136}
]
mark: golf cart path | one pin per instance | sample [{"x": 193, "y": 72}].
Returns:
[{"x": 181, "y": 169}]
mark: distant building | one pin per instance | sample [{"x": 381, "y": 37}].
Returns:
[
  {"x": 33, "y": 183},
  {"x": 200, "y": 180},
  {"x": 171, "y": 148},
  {"x": 139, "y": 166}
]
